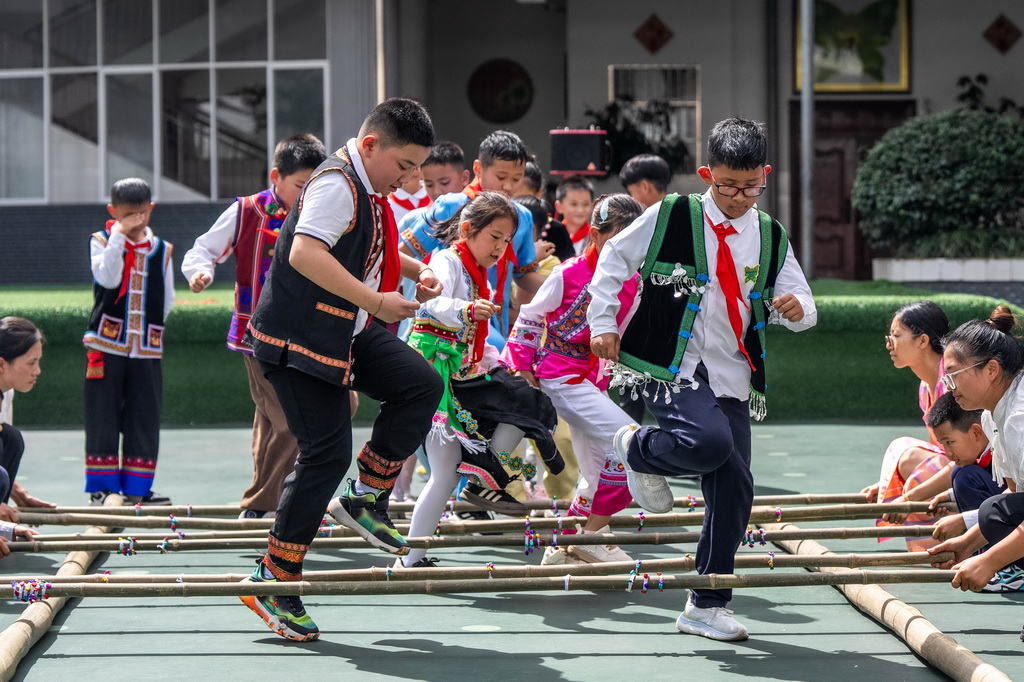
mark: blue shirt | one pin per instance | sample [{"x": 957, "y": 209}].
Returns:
[{"x": 416, "y": 231}]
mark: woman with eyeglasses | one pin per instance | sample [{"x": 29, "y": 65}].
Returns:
[
  {"x": 915, "y": 470},
  {"x": 985, "y": 362}
]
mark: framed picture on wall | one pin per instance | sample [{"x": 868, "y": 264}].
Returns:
[{"x": 859, "y": 46}]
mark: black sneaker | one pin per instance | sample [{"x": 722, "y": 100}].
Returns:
[
  {"x": 425, "y": 562},
  {"x": 153, "y": 499},
  {"x": 284, "y": 615},
  {"x": 97, "y": 498},
  {"x": 368, "y": 515},
  {"x": 494, "y": 500}
]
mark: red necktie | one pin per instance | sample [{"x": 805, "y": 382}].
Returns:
[
  {"x": 725, "y": 271},
  {"x": 392, "y": 267},
  {"x": 129, "y": 265}
]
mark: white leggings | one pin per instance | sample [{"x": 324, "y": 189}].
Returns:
[{"x": 444, "y": 458}]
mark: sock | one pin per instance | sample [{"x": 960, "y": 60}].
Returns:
[
  {"x": 361, "y": 488},
  {"x": 265, "y": 572}
]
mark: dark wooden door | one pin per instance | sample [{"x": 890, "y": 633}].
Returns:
[{"x": 844, "y": 131}]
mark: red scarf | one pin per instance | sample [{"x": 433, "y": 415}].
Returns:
[
  {"x": 478, "y": 275},
  {"x": 129, "y": 261},
  {"x": 986, "y": 458},
  {"x": 580, "y": 234},
  {"x": 391, "y": 270},
  {"x": 471, "y": 190},
  {"x": 590, "y": 253},
  {"x": 407, "y": 203}
]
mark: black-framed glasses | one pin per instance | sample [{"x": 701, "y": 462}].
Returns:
[
  {"x": 733, "y": 190},
  {"x": 949, "y": 382}
]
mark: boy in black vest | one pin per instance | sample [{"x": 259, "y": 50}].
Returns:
[
  {"x": 716, "y": 271},
  {"x": 318, "y": 332},
  {"x": 133, "y": 291}
]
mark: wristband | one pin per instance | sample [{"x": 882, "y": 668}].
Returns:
[{"x": 381, "y": 305}]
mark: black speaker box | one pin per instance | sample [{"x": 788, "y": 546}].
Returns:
[{"x": 580, "y": 152}]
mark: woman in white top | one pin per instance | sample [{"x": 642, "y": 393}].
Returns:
[{"x": 983, "y": 362}]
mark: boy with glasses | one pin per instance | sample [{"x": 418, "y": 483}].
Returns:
[{"x": 715, "y": 271}]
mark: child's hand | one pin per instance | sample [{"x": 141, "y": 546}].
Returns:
[
  {"x": 789, "y": 307},
  {"x": 395, "y": 307},
  {"x": 870, "y": 494},
  {"x": 935, "y": 508},
  {"x": 484, "y": 309},
  {"x": 973, "y": 573},
  {"x": 22, "y": 533},
  {"x": 952, "y": 526},
  {"x": 896, "y": 517},
  {"x": 199, "y": 282},
  {"x": 130, "y": 225},
  {"x": 427, "y": 286},
  {"x": 958, "y": 546},
  {"x": 528, "y": 375},
  {"x": 9, "y": 513},
  {"x": 606, "y": 346},
  {"x": 543, "y": 248}
]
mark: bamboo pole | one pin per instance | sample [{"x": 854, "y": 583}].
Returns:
[
  {"x": 537, "y": 504},
  {"x": 565, "y": 582},
  {"x": 35, "y": 620},
  {"x": 378, "y": 573},
  {"x": 175, "y": 544},
  {"x": 936, "y": 647},
  {"x": 760, "y": 514}
]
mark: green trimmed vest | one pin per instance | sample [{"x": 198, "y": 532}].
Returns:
[{"x": 674, "y": 274}]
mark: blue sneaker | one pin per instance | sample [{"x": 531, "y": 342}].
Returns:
[
  {"x": 284, "y": 615},
  {"x": 1008, "y": 579}
]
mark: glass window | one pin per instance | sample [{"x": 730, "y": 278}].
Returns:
[
  {"x": 241, "y": 131},
  {"x": 74, "y": 133},
  {"x": 21, "y": 34},
  {"x": 127, "y": 32},
  {"x": 299, "y": 29},
  {"x": 129, "y": 127},
  {"x": 241, "y": 30},
  {"x": 298, "y": 102},
  {"x": 21, "y": 138},
  {"x": 72, "y": 32},
  {"x": 184, "y": 30},
  {"x": 185, "y": 133}
]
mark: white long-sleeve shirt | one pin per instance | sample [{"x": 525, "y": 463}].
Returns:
[
  {"x": 713, "y": 341},
  {"x": 213, "y": 247},
  {"x": 1004, "y": 427}
]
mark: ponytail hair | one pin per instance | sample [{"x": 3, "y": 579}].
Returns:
[
  {"x": 979, "y": 341},
  {"x": 613, "y": 212},
  {"x": 481, "y": 211},
  {"x": 925, "y": 317},
  {"x": 17, "y": 336}
]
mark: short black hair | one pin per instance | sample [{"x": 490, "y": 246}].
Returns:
[
  {"x": 299, "y": 152},
  {"x": 446, "y": 153},
  {"x": 738, "y": 143},
  {"x": 533, "y": 176},
  {"x": 574, "y": 182},
  {"x": 502, "y": 145},
  {"x": 649, "y": 167},
  {"x": 398, "y": 122},
  {"x": 130, "y": 192},
  {"x": 947, "y": 410}
]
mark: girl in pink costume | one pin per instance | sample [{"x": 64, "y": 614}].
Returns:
[{"x": 550, "y": 347}]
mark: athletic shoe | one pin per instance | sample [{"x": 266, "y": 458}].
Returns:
[
  {"x": 558, "y": 556},
  {"x": 97, "y": 498},
  {"x": 649, "y": 490},
  {"x": 256, "y": 514},
  {"x": 494, "y": 500},
  {"x": 598, "y": 554},
  {"x": 1008, "y": 579},
  {"x": 284, "y": 615},
  {"x": 368, "y": 515},
  {"x": 151, "y": 500},
  {"x": 714, "y": 623}
]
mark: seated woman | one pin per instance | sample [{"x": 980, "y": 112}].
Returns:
[
  {"x": 21, "y": 348},
  {"x": 915, "y": 341}
]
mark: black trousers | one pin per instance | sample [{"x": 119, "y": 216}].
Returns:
[
  {"x": 125, "y": 401},
  {"x": 1000, "y": 515},
  {"x": 12, "y": 447},
  {"x": 385, "y": 369},
  {"x": 699, "y": 433}
]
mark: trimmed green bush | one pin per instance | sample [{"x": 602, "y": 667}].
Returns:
[{"x": 945, "y": 185}]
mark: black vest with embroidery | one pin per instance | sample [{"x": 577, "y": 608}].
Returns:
[
  {"x": 294, "y": 315},
  {"x": 674, "y": 273},
  {"x": 110, "y": 321}
]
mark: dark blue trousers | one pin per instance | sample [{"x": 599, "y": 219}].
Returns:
[
  {"x": 12, "y": 447},
  {"x": 699, "y": 434},
  {"x": 972, "y": 485}
]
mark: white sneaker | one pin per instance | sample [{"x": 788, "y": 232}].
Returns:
[
  {"x": 557, "y": 556},
  {"x": 649, "y": 490},
  {"x": 714, "y": 623},
  {"x": 598, "y": 554}
]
